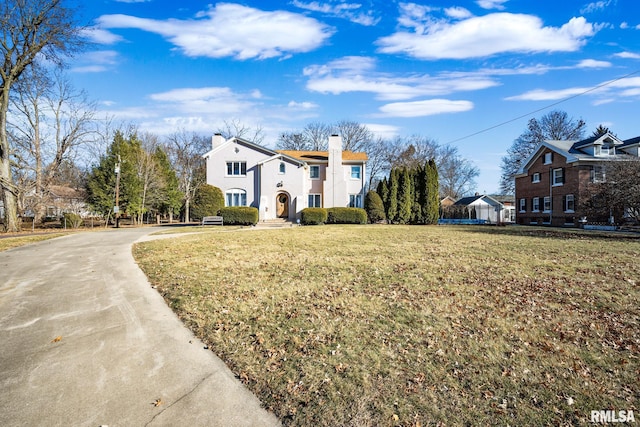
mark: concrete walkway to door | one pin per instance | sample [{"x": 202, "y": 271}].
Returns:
[{"x": 86, "y": 341}]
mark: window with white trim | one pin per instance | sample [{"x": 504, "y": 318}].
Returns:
[
  {"x": 236, "y": 197},
  {"x": 355, "y": 200},
  {"x": 314, "y": 172},
  {"x": 282, "y": 168},
  {"x": 548, "y": 158},
  {"x": 523, "y": 205},
  {"x": 597, "y": 174},
  {"x": 547, "y": 203},
  {"x": 558, "y": 176},
  {"x": 535, "y": 204},
  {"x": 236, "y": 168},
  {"x": 535, "y": 178},
  {"x": 315, "y": 201},
  {"x": 569, "y": 203},
  {"x": 355, "y": 172}
]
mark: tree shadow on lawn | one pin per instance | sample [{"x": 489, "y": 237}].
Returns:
[{"x": 550, "y": 232}]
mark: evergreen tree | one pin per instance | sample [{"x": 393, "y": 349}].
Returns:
[
  {"x": 383, "y": 192},
  {"x": 101, "y": 184},
  {"x": 405, "y": 198},
  {"x": 207, "y": 201},
  {"x": 419, "y": 199},
  {"x": 392, "y": 209},
  {"x": 432, "y": 194},
  {"x": 374, "y": 207},
  {"x": 171, "y": 200}
]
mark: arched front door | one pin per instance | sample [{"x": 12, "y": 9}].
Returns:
[{"x": 282, "y": 205}]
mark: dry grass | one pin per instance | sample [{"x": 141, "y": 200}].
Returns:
[
  {"x": 395, "y": 325},
  {"x": 18, "y": 240}
]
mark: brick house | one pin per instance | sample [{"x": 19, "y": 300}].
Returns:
[{"x": 552, "y": 177}]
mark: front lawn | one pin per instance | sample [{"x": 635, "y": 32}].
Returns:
[{"x": 414, "y": 325}]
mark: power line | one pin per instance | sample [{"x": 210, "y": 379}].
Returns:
[{"x": 545, "y": 107}]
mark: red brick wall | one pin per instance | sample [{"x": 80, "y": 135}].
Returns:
[{"x": 528, "y": 190}]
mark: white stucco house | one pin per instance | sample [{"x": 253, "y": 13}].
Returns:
[{"x": 283, "y": 183}]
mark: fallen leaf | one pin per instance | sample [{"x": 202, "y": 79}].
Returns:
[
  {"x": 157, "y": 403},
  {"x": 57, "y": 339}
]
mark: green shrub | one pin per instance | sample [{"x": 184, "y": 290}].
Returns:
[
  {"x": 207, "y": 201},
  {"x": 374, "y": 207},
  {"x": 313, "y": 216},
  {"x": 346, "y": 216},
  {"x": 71, "y": 220},
  {"x": 239, "y": 215}
]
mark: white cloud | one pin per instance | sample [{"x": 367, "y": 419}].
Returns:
[
  {"x": 305, "y": 105},
  {"x": 427, "y": 107},
  {"x": 100, "y": 36},
  {"x": 350, "y": 11},
  {"x": 491, "y": 4},
  {"x": 432, "y": 38},
  {"x": 233, "y": 30},
  {"x": 595, "y": 6},
  {"x": 458, "y": 12},
  {"x": 612, "y": 89},
  {"x": 547, "y": 95},
  {"x": 383, "y": 131},
  {"x": 207, "y": 100},
  {"x": 627, "y": 55},
  {"x": 95, "y": 62},
  {"x": 592, "y": 63},
  {"x": 357, "y": 74},
  {"x": 624, "y": 26}
]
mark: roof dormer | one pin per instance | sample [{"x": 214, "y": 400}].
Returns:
[{"x": 599, "y": 146}]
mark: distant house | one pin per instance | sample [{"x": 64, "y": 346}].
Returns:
[
  {"x": 63, "y": 199},
  {"x": 282, "y": 183},
  {"x": 483, "y": 207},
  {"x": 551, "y": 179}
]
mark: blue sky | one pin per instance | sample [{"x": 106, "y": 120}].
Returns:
[{"x": 447, "y": 70}]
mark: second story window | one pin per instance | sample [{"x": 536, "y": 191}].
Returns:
[
  {"x": 314, "y": 172},
  {"x": 535, "y": 177},
  {"x": 283, "y": 168},
  {"x": 355, "y": 172},
  {"x": 597, "y": 174},
  {"x": 236, "y": 168},
  {"x": 548, "y": 158},
  {"x": 558, "y": 176}
]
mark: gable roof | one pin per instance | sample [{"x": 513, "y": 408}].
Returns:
[
  {"x": 323, "y": 156},
  {"x": 240, "y": 141},
  {"x": 572, "y": 150},
  {"x": 466, "y": 201}
]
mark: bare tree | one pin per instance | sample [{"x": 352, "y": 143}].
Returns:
[
  {"x": 556, "y": 125},
  {"x": 355, "y": 136},
  {"x": 185, "y": 151},
  {"x": 235, "y": 128},
  {"x": 29, "y": 28},
  {"x": 50, "y": 123},
  {"x": 456, "y": 175},
  {"x": 614, "y": 197},
  {"x": 293, "y": 141}
]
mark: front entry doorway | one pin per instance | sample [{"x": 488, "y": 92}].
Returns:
[{"x": 282, "y": 205}]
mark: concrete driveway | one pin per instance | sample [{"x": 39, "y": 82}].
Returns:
[{"x": 86, "y": 341}]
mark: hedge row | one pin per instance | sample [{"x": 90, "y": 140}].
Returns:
[
  {"x": 239, "y": 215},
  {"x": 315, "y": 216}
]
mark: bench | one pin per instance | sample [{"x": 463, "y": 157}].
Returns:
[{"x": 212, "y": 220}]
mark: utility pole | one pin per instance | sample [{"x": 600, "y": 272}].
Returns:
[{"x": 116, "y": 208}]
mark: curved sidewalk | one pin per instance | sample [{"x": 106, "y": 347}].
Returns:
[{"x": 86, "y": 341}]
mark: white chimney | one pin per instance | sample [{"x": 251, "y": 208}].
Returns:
[{"x": 217, "y": 140}]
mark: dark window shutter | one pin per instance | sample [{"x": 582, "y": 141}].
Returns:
[{"x": 562, "y": 180}]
